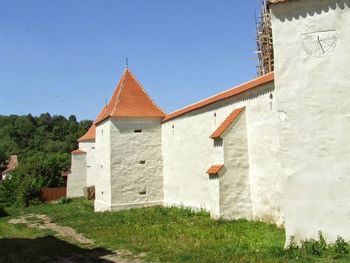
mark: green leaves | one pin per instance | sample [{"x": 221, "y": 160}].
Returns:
[{"x": 43, "y": 145}]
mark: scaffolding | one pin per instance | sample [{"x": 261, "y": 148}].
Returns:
[{"x": 264, "y": 40}]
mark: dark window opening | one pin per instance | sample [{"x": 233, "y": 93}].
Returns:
[
  {"x": 138, "y": 131},
  {"x": 142, "y": 162},
  {"x": 142, "y": 193}
]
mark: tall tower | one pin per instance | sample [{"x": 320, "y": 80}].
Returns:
[
  {"x": 128, "y": 149},
  {"x": 312, "y": 53}
]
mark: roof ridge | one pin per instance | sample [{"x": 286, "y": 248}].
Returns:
[
  {"x": 122, "y": 81},
  {"x": 256, "y": 82},
  {"x": 144, "y": 90}
]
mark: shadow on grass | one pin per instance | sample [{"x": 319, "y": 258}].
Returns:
[{"x": 47, "y": 249}]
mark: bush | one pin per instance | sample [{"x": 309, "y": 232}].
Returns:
[
  {"x": 8, "y": 190},
  {"x": 30, "y": 190},
  {"x": 34, "y": 173},
  {"x": 318, "y": 248}
]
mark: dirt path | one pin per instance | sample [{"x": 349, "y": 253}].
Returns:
[{"x": 90, "y": 253}]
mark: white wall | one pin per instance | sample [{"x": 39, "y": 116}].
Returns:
[
  {"x": 77, "y": 178},
  {"x": 188, "y": 152},
  {"x": 129, "y": 177},
  {"x": 235, "y": 197},
  {"x": 102, "y": 158},
  {"x": 266, "y": 177},
  {"x": 313, "y": 95},
  {"x": 89, "y": 148}
]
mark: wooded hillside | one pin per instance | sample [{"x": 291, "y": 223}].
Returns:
[
  {"x": 27, "y": 136},
  {"x": 43, "y": 145}
]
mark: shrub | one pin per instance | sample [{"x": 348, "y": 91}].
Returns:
[
  {"x": 34, "y": 173},
  {"x": 340, "y": 246},
  {"x": 30, "y": 190}
]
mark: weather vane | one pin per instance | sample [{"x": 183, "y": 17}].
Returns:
[{"x": 127, "y": 62}]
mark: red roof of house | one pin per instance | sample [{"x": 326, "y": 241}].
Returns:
[
  {"x": 224, "y": 95},
  {"x": 130, "y": 100},
  {"x": 91, "y": 133},
  {"x": 214, "y": 169},
  {"x": 12, "y": 164},
  {"x": 226, "y": 123},
  {"x": 277, "y": 1},
  {"x": 78, "y": 151}
]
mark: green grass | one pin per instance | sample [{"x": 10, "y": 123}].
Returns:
[{"x": 168, "y": 234}]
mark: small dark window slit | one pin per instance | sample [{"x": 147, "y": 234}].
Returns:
[
  {"x": 138, "y": 131},
  {"x": 142, "y": 193},
  {"x": 142, "y": 162}
]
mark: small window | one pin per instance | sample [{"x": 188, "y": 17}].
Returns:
[
  {"x": 102, "y": 131},
  {"x": 138, "y": 131},
  {"x": 142, "y": 162},
  {"x": 143, "y": 193}
]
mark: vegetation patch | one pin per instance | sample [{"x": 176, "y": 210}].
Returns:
[{"x": 159, "y": 234}]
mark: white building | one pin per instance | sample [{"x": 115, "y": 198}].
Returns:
[{"x": 276, "y": 148}]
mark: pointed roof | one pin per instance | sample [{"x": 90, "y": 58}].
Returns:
[
  {"x": 130, "y": 100},
  {"x": 91, "y": 133},
  {"x": 226, "y": 123}
]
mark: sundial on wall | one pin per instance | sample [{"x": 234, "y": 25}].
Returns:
[{"x": 319, "y": 43}]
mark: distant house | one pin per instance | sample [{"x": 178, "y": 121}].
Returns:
[{"x": 12, "y": 164}]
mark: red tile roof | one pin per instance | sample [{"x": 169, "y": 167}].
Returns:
[
  {"x": 78, "y": 151},
  {"x": 91, "y": 133},
  {"x": 224, "y": 95},
  {"x": 214, "y": 169},
  {"x": 131, "y": 100},
  {"x": 12, "y": 164},
  {"x": 226, "y": 123},
  {"x": 277, "y": 1}
]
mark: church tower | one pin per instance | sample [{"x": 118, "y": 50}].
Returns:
[
  {"x": 128, "y": 150},
  {"x": 312, "y": 87}
]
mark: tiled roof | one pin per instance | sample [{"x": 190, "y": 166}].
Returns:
[
  {"x": 91, "y": 133},
  {"x": 12, "y": 164},
  {"x": 214, "y": 169},
  {"x": 224, "y": 95},
  {"x": 78, "y": 151},
  {"x": 277, "y": 1},
  {"x": 131, "y": 100},
  {"x": 226, "y": 123}
]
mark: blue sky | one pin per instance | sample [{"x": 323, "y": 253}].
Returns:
[{"x": 66, "y": 56}]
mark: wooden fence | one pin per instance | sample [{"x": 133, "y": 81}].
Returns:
[{"x": 50, "y": 194}]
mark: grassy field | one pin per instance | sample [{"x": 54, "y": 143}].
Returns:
[{"x": 159, "y": 234}]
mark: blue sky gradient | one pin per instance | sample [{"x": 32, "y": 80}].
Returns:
[{"x": 66, "y": 56}]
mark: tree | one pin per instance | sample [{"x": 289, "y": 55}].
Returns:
[{"x": 43, "y": 145}]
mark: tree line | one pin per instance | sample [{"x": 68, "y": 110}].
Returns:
[{"x": 43, "y": 145}]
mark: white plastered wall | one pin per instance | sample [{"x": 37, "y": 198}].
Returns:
[
  {"x": 136, "y": 163},
  {"x": 235, "y": 197},
  {"x": 102, "y": 178},
  {"x": 89, "y": 148},
  {"x": 188, "y": 152},
  {"x": 77, "y": 178},
  {"x": 313, "y": 95}
]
